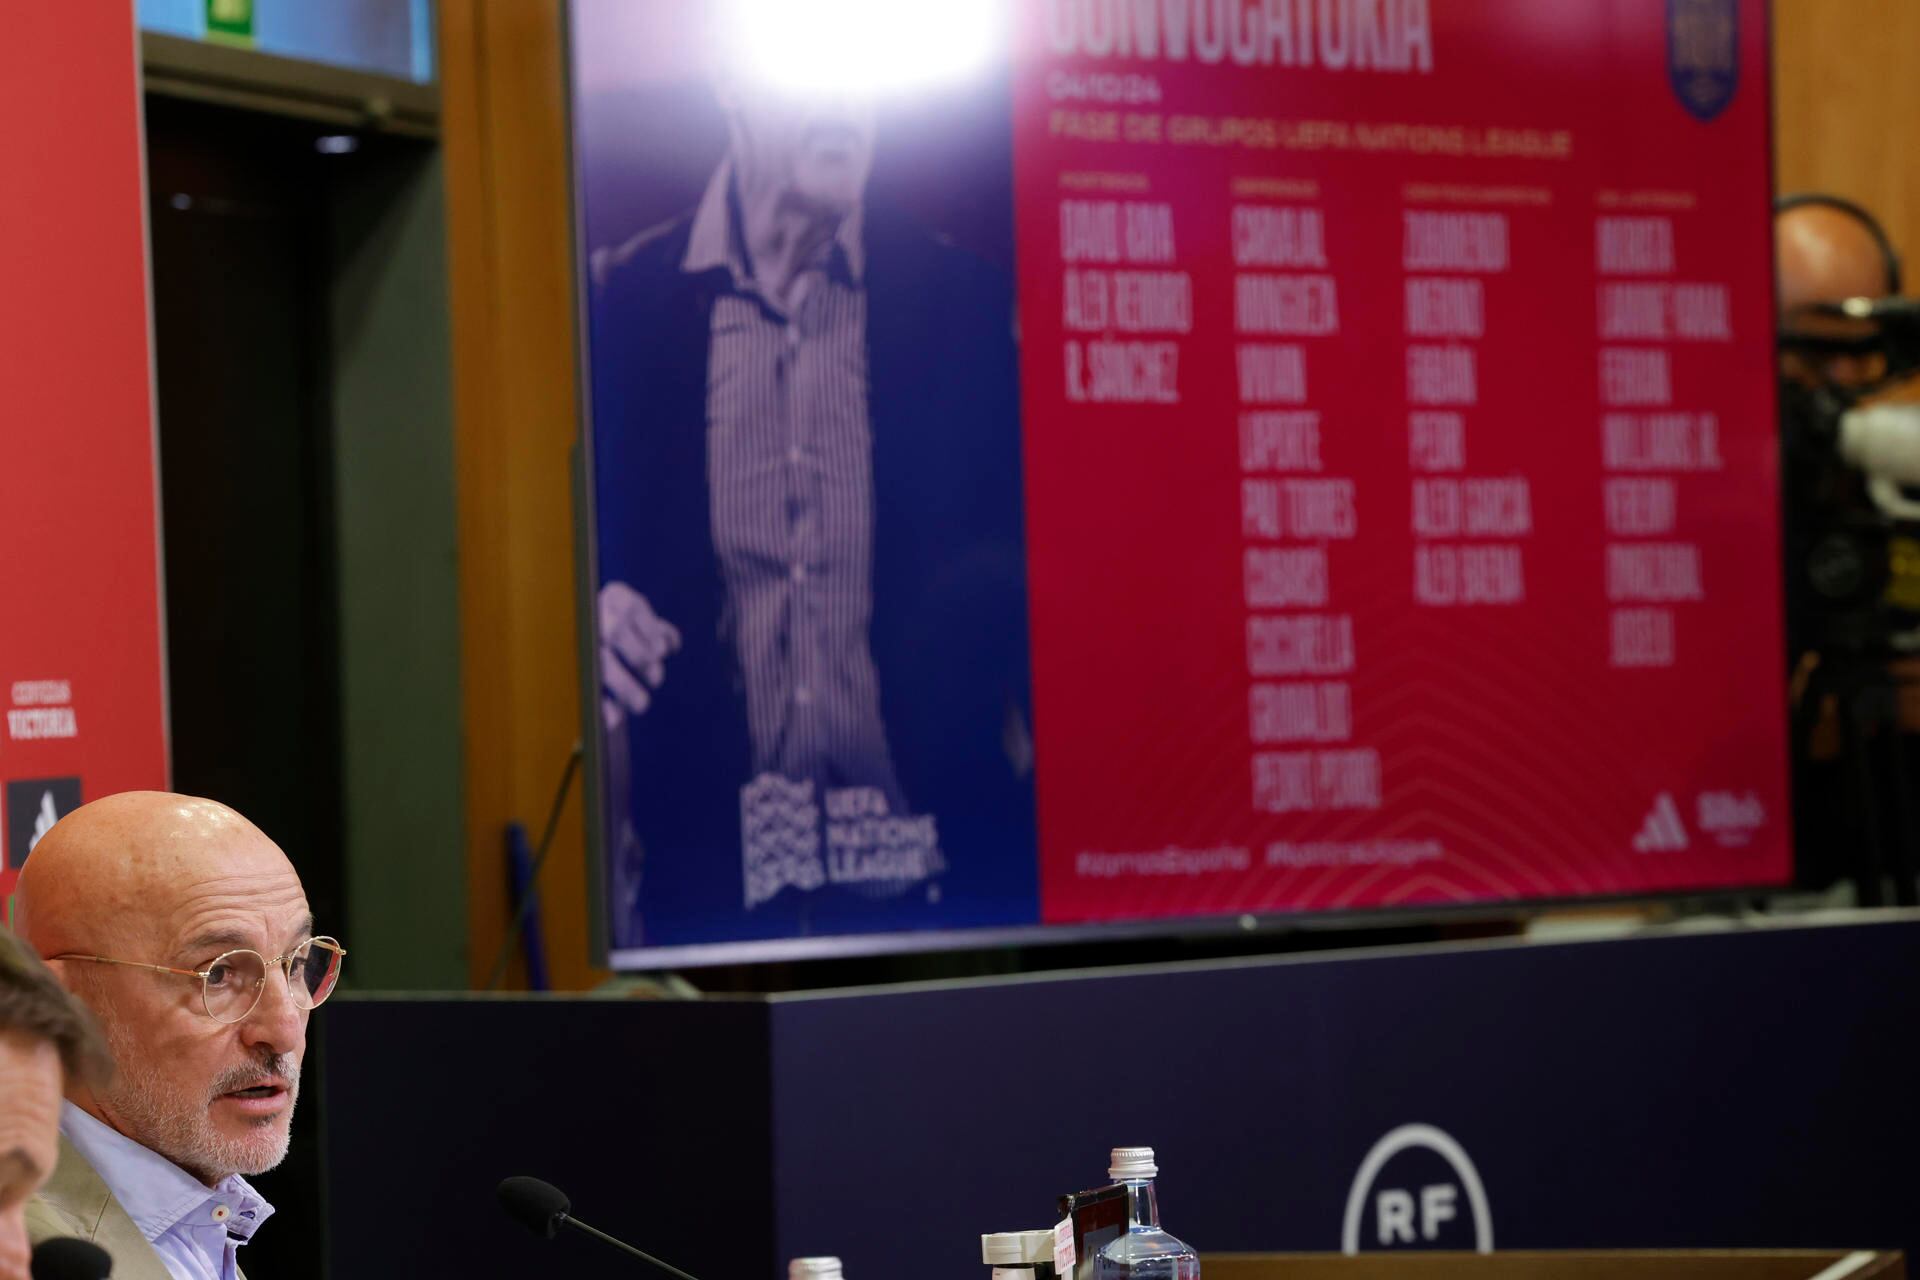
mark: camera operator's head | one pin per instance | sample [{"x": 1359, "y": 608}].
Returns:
[{"x": 1828, "y": 250}]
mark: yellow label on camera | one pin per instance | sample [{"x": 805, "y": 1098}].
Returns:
[{"x": 1903, "y": 574}]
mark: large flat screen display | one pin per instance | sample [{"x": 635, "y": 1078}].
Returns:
[{"x": 1066, "y": 463}]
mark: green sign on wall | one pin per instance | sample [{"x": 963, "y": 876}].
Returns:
[{"x": 230, "y": 20}]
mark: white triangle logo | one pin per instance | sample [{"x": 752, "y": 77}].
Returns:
[
  {"x": 43, "y": 821},
  {"x": 1662, "y": 832}
]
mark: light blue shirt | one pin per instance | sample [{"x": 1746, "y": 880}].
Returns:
[{"x": 197, "y": 1230}]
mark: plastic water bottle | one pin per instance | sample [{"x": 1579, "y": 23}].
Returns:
[
  {"x": 814, "y": 1269},
  {"x": 1143, "y": 1251}
]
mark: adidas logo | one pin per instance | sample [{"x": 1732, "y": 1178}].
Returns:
[
  {"x": 43, "y": 820},
  {"x": 1662, "y": 832}
]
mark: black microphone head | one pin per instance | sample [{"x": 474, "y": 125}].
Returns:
[
  {"x": 539, "y": 1205},
  {"x": 67, "y": 1258}
]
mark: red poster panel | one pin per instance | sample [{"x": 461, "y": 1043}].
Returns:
[
  {"x": 1399, "y": 428},
  {"x": 81, "y": 668}
]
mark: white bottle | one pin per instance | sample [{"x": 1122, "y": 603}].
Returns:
[
  {"x": 1143, "y": 1251},
  {"x": 814, "y": 1269}
]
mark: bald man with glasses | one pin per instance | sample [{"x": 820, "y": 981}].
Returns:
[{"x": 186, "y": 931}]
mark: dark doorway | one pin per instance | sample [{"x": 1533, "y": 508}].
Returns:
[{"x": 240, "y": 337}]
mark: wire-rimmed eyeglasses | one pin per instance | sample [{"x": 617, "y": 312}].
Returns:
[{"x": 231, "y": 986}]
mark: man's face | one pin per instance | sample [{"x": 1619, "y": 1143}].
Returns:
[
  {"x": 815, "y": 147},
  {"x": 30, "y": 1085},
  {"x": 1824, "y": 256},
  {"x": 213, "y": 1097}
]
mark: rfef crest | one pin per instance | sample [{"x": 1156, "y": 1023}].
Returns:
[{"x": 1703, "y": 54}]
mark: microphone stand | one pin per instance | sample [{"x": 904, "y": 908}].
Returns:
[{"x": 571, "y": 1221}]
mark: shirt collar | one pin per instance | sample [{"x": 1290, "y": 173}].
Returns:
[
  {"x": 158, "y": 1194},
  {"x": 716, "y": 242}
]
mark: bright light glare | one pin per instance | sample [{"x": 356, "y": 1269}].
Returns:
[{"x": 864, "y": 46}]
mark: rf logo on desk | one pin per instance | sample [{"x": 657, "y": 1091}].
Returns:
[{"x": 1408, "y": 1194}]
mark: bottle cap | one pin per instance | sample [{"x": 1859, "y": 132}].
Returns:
[
  {"x": 814, "y": 1269},
  {"x": 1131, "y": 1164},
  {"x": 1016, "y": 1248}
]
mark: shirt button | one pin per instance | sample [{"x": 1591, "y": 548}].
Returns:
[
  {"x": 803, "y": 695},
  {"x": 793, "y": 335},
  {"x": 799, "y": 572},
  {"x": 796, "y": 454}
]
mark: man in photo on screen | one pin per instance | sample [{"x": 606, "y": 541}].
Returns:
[
  {"x": 48, "y": 1043},
  {"x": 187, "y": 933},
  {"x": 806, "y": 422}
]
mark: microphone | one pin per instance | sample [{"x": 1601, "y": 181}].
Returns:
[
  {"x": 1883, "y": 440},
  {"x": 542, "y": 1208},
  {"x": 68, "y": 1258}
]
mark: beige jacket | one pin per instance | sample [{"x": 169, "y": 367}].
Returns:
[{"x": 75, "y": 1202}]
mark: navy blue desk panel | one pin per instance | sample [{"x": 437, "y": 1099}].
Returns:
[
  {"x": 655, "y": 1118},
  {"x": 1751, "y": 1088}
]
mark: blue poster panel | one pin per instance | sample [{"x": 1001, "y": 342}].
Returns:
[{"x": 809, "y": 576}]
